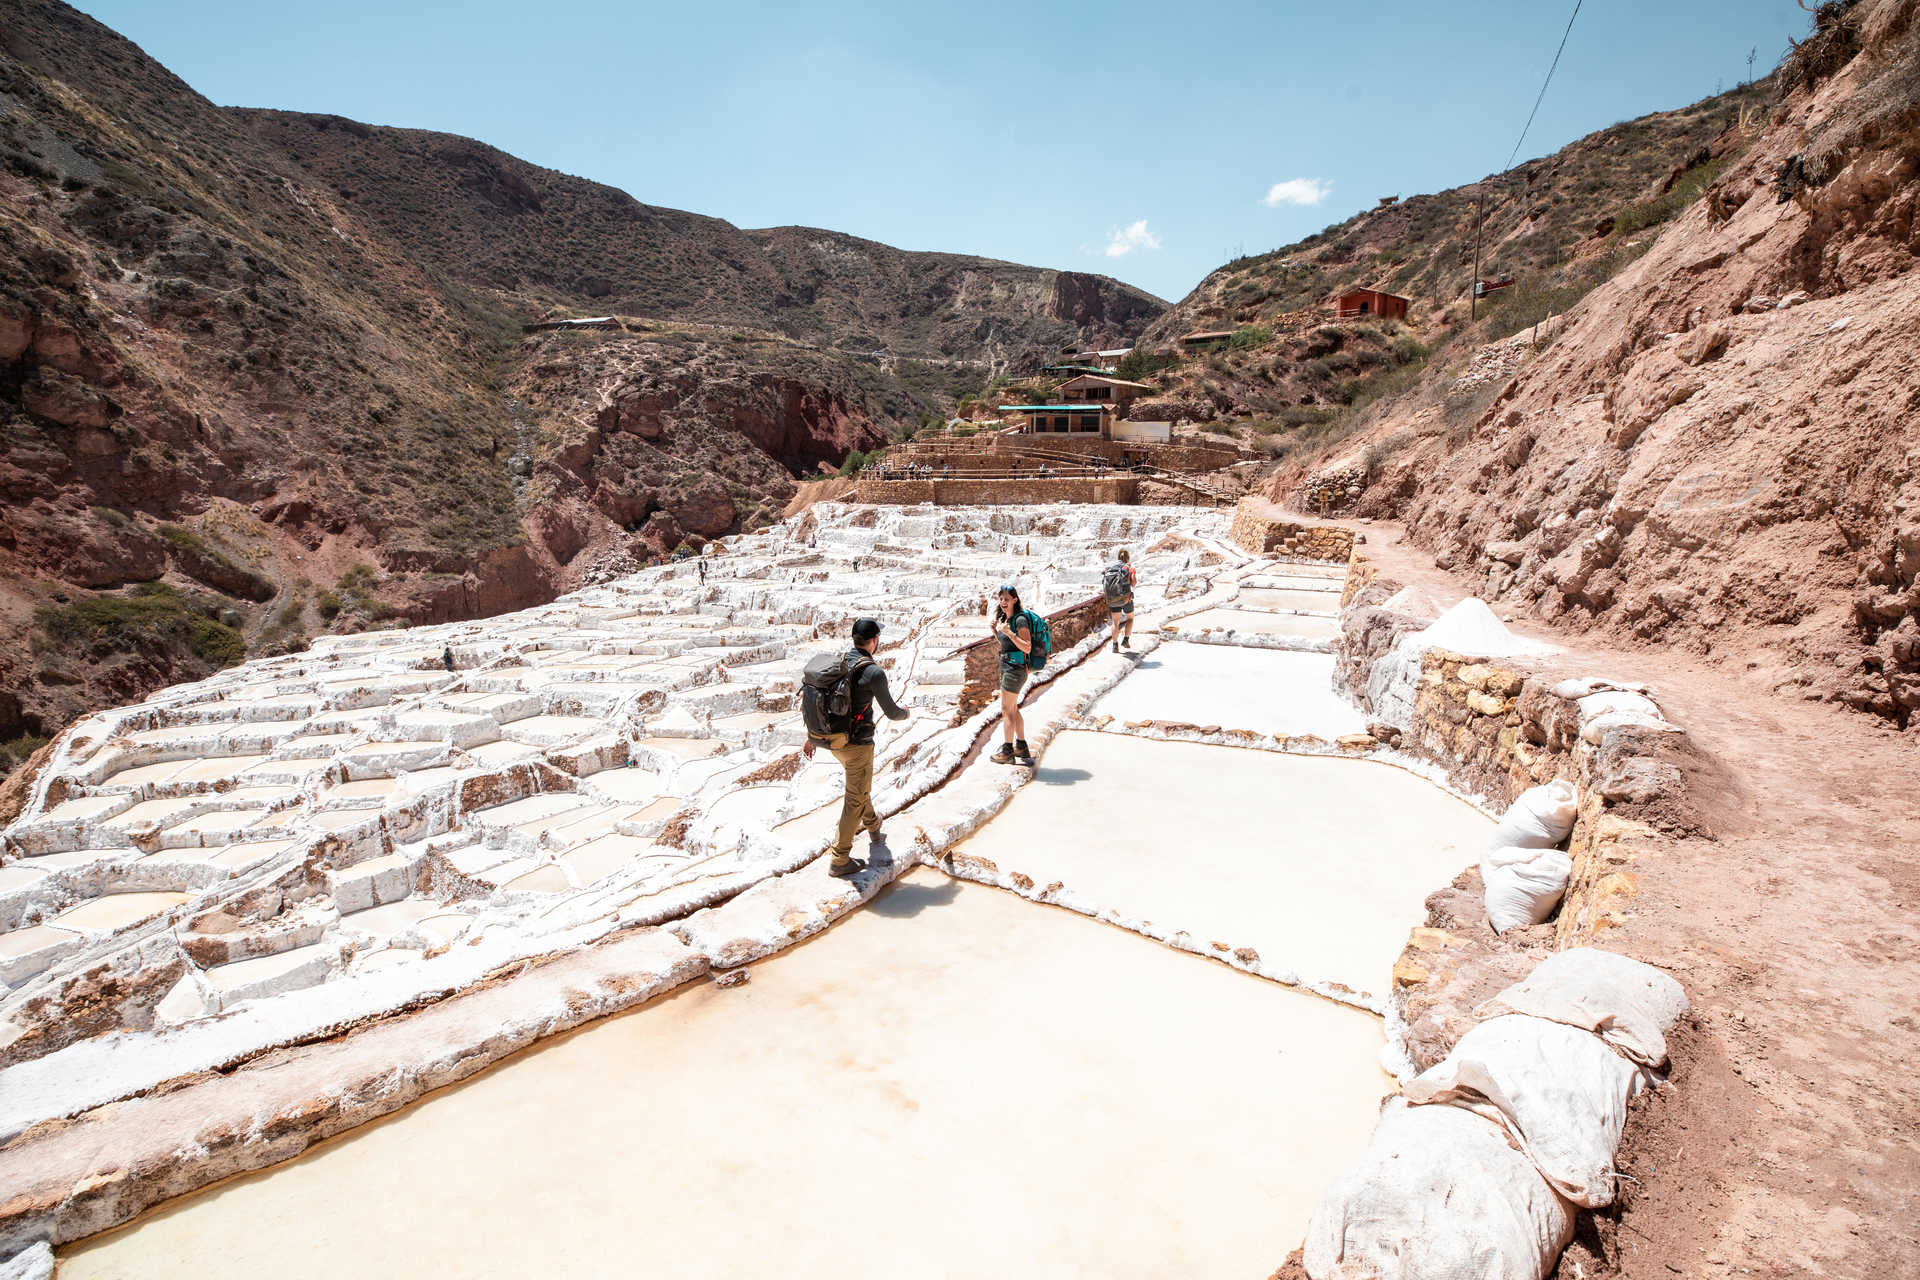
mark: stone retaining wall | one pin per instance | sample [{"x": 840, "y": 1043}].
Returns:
[
  {"x": 1261, "y": 528},
  {"x": 1122, "y": 490},
  {"x": 981, "y": 659},
  {"x": 1497, "y": 727},
  {"x": 1187, "y": 457}
]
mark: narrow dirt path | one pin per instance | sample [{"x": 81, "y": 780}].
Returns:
[{"x": 1790, "y": 1144}]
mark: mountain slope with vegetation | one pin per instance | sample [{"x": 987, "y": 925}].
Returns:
[
  {"x": 1291, "y": 379},
  {"x": 1586, "y": 200},
  {"x": 247, "y": 357},
  {"x": 1717, "y": 450}
]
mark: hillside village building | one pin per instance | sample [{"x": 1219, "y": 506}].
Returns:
[
  {"x": 1098, "y": 388},
  {"x": 1357, "y": 303},
  {"x": 1096, "y": 359},
  {"x": 1066, "y": 419},
  {"x": 1202, "y": 338}
]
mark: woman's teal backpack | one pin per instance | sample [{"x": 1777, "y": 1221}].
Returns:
[{"x": 1039, "y": 640}]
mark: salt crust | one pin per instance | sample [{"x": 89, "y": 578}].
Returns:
[
  {"x": 766, "y": 894},
  {"x": 769, "y": 601}
]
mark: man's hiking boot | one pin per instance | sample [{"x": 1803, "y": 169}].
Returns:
[
  {"x": 877, "y": 851},
  {"x": 1004, "y": 755},
  {"x": 847, "y": 870}
]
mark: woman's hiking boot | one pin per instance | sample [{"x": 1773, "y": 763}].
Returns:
[
  {"x": 1020, "y": 753},
  {"x": 1004, "y": 755}
]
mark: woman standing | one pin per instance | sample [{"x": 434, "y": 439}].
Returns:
[{"x": 1016, "y": 642}]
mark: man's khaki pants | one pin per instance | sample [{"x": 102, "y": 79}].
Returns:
[{"x": 856, "y": 807}]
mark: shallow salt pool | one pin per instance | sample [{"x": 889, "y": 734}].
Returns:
[
  {"x": 1265, "y": 690},
  {"x": 951, "y": 1082},
  {"x": 1320, "y": 864}
]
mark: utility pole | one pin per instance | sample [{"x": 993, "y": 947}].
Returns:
[{"x": 1479, "y": 221}]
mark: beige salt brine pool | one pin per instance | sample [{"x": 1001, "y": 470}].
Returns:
[{"x": 952, "y": 1082}]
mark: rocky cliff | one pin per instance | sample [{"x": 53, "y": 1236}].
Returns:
[
  {"x": 1719, "y": 450},
  {"x": 263, "y": 374}
]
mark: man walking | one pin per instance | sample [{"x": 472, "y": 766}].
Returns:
[{"x": 837, "y": 700}]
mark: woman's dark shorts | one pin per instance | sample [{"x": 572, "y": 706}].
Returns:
[{"x": 1012, "y": 678}]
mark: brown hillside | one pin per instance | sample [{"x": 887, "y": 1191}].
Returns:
[
  {"x": 1539, "y": 218},
  {"x": 262, "y": 374},
  {"x": 1719, "y": 451}
]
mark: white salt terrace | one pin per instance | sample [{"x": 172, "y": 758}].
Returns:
[
  {"x": 1059, "y": 1099},
  {"x": 624, "y": 756}
]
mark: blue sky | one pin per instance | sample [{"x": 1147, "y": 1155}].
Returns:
[{"x": 1144, "y": 140}]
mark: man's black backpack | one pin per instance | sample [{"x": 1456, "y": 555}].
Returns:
[{"x": 826, "y": 692}]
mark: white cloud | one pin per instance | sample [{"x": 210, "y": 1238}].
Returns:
[
  {"x": 1130, "y": 237},
  {"x": 1296, "y": 191}
]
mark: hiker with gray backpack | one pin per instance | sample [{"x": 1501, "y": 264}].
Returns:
[
  {"x": 1116, "y": 581},
  {"x": 837, "y": 697},
  {"x": 1025, "y": 641}
]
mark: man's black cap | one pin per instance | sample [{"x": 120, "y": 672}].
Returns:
[{"x": 865, "y": 629}]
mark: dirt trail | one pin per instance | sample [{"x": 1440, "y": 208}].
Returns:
[{"x": 1791, "y": 1142}]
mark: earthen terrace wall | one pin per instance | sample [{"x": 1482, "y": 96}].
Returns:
[
  {"x": 1497, "y": 728},
  {"x": 1261, "y": 528},
  {"x": 981, "y": 659},
  {"x": 1172, "y": 457},
  {"x": 960, "y": 491}
]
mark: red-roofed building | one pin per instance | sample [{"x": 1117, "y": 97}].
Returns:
[{"x": 1355, "y": 303}]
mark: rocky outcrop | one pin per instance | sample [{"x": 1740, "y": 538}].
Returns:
[
  {"x": 1687, "y": 465},
  {"x": 1091, "y": 303}
]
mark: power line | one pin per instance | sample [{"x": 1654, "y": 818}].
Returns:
[
  {"x": 1480, "y": 214},
  {"x": 1543, "y": 84}
]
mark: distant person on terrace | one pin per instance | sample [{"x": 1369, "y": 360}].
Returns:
[{"x": 1117, "y": 583}]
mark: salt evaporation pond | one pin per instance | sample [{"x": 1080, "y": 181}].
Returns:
[
  {"x": 1320, "y": 864},
  {"x": 1264, "y": 690},
  {"x": 950, "y": 1082}
]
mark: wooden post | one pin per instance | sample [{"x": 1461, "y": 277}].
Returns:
[{"x": 1473, "y": 291}]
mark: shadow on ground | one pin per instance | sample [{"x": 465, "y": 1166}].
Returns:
[{"x": 904, "y": 901}]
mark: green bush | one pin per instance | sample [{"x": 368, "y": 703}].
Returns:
[
  {"x": 1407, "y": 349},
  {"x": 1691, "y": 186},
  {"x": 1250, "y": 336},
  {"x": 214, "y": 641},
  {"x": 328, "y": 605},
  {"x": 1140, "y": 364},
  {"x": 184, "y": 538},
  {"x": 152, "y": 620},
  {"x": 14, "y": 751}
]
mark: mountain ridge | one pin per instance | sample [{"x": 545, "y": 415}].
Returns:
[{"x": 241, "y": 346}]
